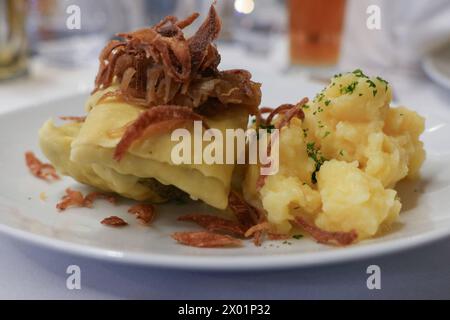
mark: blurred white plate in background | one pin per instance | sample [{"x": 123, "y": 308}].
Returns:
[
  {"x": 437, "y": 66},
  {"x": 23, "y": 215}
]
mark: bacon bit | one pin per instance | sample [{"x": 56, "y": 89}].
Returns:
[
  {"x": 114, "y": 221},
  {"x": 214, "y": 223},
  {"x": 144, "y": 212},
  {"x": 40, "y": 170},
  {"x": 150, "y": 117},
  {"x": 91, "y": 197},
  {"x": 326, "y": 237},
  {"x": 74, "y": 119},
  {"x": 205, "y": 239},
  {"x": 71, "y": 199}
]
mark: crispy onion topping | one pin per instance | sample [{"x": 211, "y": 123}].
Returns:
[
  {"x": 214, "y": 224},
  {"x": 326, "y": 237},
  {"x": 248, "y": 216},
  {"x": 74, "y": 198},
  {"x": 44, "y": 171},
  {"x": 91, "y": 197},
  {"x": 158, "y": 65},
  {"x": 73, "y": 118},
  {"x": 204, "y": 239},
  {"x": 151, "y": 119},
  {"x": 114, "y": 221},
  {"x": 288, "y": 112},
  {"x": 143, "y": 212}
]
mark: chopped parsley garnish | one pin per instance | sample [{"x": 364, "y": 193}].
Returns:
[
  {"x": 341, "y": 153},
  {"x": 327, "y": 102},
  {"x": 350, "y": 88},
  {"x": 384, "y": 81},
  {"x": 305, "y": 132},
  {"x": 359, "y": 73},
  {"x": 316, "y": 155},
  {"x": 326, "y": 134},
  {"x": 305, "y": 106},
  {"x": 371, "y": 83},
  {"x": 297, "y": 236},
  {"x": 338, "y": 75},
  {"x": 319, "y": 97}
]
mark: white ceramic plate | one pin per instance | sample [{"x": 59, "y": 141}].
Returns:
[
  {"x": 437, "y": 66},
  {"x": 425, "y": 217}
]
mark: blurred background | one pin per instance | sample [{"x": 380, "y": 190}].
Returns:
[{"x": 45, "y": 43}]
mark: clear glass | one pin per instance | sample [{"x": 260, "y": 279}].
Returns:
[
  {"x": 258, "y": 24},
  {"x": 13, "y": 38},
  {"x": 57, "y": 39},
  {"x": 315, "y": 28}
]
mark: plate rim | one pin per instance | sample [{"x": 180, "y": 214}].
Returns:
[
  {"x": 432, "y": 72},
  {"x": 228, "y": 263},
  {"x": 214, "y": 262}
]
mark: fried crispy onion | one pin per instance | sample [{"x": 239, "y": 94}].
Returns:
[
  {"x": 288, "y": 112},
  {"x": 73, "y": 118},
  {"x": 114, "y": 221},
  {"x": 214, "y": 224},
  {"x": 91, "y": 197},
  {"x": 205, "y": 239},
  {"x": 74, "y": 198},
  {"x": 143, "y": 212},
  {"x": 151, "y": 118},
  {"x": 158, "y": 65},
  {"x": 248, "y": 216},
  {"x": 44, "y": 171},
  {"x": 326, "y": 237}
]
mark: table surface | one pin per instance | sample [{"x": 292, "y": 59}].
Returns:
[{"x": 30, "y": 272}]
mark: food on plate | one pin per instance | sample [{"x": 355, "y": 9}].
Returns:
[
  {"x": 40, "y": 170},
  {"x": 151, "y": 82},
  {"x": 73, "y": 198},
  {"x": 114, "y": 221},
  {"x": 340, "y": 154},
  {"x": 205, "y": 239},
  {"x": 145, "y": 213},
  {"x": 339, "y": 162}
]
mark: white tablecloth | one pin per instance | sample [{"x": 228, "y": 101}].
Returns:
[{"x": 27, "y": 271}]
